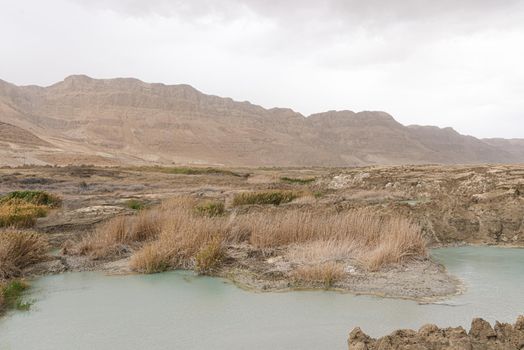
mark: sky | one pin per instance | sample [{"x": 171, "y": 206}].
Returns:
[{"x": 457, "y": 63}]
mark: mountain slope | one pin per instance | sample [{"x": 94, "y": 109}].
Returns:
[{"x": 129, "y": 121}]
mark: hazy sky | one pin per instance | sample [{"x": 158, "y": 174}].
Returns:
[{"x": 456, "y": 63}]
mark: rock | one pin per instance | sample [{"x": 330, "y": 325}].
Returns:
[
  {"x": 430, "y": 337},
  {"x": 481, "y": 329}
]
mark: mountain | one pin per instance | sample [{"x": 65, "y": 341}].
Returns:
[{"x": 127, "y": 121}]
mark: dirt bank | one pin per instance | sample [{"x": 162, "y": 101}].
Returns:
[{"x": 481, "y": 336}]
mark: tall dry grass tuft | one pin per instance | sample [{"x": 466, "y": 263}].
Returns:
[
  {"x": 210, "y": 256},
  {"x": 117, "y": 236},
  {"x": 183, "y": 237},
  {"x": 402, "y": 240},
  {"x": 326, "y": 274},
  {"x": 20, "y": 249},
  {"x": 374, "y": 240}
]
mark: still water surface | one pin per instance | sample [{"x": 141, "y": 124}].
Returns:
[{"x": 177, "y": 310}]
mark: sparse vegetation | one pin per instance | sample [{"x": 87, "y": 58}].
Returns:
[
  {"x": 22, "y": 208},
  {"x": 267, "y": 197},
  {"x": 18, "y": 250},
  {"x": 209, "y": 256},
  {"x": 189, "y": 171},
  {"x": 211, "y": 208},
  {"x": 135, "y": 204},
  {"x": 298, "y": 181},
  {"x": 33, "y": 197},
  {"x": 326, "y": 274},
  {"x": 11, "y": 296}
]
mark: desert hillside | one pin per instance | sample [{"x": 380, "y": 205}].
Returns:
[{"x": 127, "y": 121}]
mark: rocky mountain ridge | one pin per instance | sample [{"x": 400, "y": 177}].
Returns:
[{"x": 127, "y": 121}]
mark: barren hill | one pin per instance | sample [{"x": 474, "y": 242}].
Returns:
[{"x": 128, "y": 121}]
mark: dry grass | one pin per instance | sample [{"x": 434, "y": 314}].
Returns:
[
  {"x": 211, "y": 208},
  {"x": 183, "y": 237},
  {"x": 209, "y": 256},
  {"x": 116, "y": 237},
  {"x": 17, "y": 213},
  {"x": 374, "y": 240},
  {"x": 177, "y": 235},
  {"x": 18, "y": 250},
  {"x": 22, "y": 208},
  {"x": 326, "y": 274}
]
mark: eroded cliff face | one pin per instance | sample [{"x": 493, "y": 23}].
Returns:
[
  {"x": 482, "y": 336},
  {"x": 482, "y": 204}
]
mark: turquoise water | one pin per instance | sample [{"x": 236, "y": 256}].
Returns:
[{"x": 177, "y": 310}]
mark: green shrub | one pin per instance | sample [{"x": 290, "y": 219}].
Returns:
[
  {"x": 11, "y": 296},
  {"x": 293, "y": 180},
  {"x": 22, "y": 208},
  {"x": 211, "y": 209},
  {"x": 269, "y": 197},
  {"x": 32, "y": 197},
  {"x": 135, "y": 204}
]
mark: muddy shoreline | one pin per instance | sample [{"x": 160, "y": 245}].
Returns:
[{"x": 422, "y": 281}]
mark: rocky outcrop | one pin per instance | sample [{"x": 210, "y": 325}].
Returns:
[
  {"x": 482, "y": 336},
  {"x": 470, "y": 204}
]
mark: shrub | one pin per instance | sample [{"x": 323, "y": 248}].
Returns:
[
  {"x": 211, "y": 209},
  {"x": 326, "y": 274},
  {"x": 299, "y": 181},
  {"x": 11, "y": 296},
  {"x": 135, "y": 204},
  {"x": 22, "y": 208},
  {"x": 33, "y": 197},
  {"x": 20, "y": 214},
  {"x": 209, "y": 256},
  {"x": 269, "y": 197},
  {"x": 18, "y": 250}
]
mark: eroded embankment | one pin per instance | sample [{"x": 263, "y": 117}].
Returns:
[{"x": 481, "y": 336}]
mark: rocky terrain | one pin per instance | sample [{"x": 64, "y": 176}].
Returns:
[
  {"x": 126, "y": 121},
  {"x": 453, "y": 205},
  {"x": 481, "y": 336}
]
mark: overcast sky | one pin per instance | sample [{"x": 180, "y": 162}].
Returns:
[{"x": 456, "y": 63}]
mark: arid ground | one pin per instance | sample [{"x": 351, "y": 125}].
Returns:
[{"x": 275, "y": 228}]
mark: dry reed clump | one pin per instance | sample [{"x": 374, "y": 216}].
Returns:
[
  {"x": 326, "y": 274},
  {"x": 209, "y": 256},
  {"x": 20, "y": 249},
  {"x": 374, "y": 240},
  {"x": 184, "y": 237},
  {"x": 177, "y": 235},
  {"x": 117, "y": 236}
]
